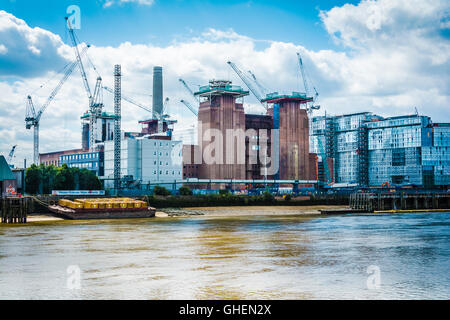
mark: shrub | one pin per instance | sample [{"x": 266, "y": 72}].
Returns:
[
  {"x": 224, "y": 192},
  {"x": 268, "y": 197},
  {"x": 185, "y": 191},
  {"x": 161, "y": 191},
  {"x": 288, "y": 197}
]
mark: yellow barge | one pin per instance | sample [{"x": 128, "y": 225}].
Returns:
[{"x": 102, "y": 208}]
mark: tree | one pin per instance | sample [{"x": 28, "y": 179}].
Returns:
[
  {"x": 32, "y": 179},
  {"x": 161, "y": 191},
  {"x": 48, "y": 174},
  {"x": 185, "y": 191},
  {"x": 64, "y": 179}
]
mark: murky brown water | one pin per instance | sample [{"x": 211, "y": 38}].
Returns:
[{"x": 280, "y": 257}]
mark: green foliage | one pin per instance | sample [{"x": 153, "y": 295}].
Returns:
[
  {"x": 43, "y": 179},
  {"x": 268, "y": 197},
  {"x": 224, "y": 192},
  {"x": 161, "y": 191},
  {"x": 288, "y": 197},
  {"x": 185, "y": 191},
  {"x": 32, "y": 179}
]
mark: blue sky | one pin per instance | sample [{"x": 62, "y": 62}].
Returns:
[
  {"x": 383, "y": 56},
  {"x": 169, "y": 20}
]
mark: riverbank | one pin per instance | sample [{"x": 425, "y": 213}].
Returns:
[
  {"x": 234, "y": 211},
  {"x": 246, "y": 211}
]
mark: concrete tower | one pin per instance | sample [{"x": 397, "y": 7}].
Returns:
[
  {"x": 157, "y": 91},
  {"x": 292, "y": 122},
  {"x": 219, "y": 111}
]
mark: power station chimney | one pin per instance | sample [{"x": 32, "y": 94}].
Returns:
[{"x": 157, "y": 91}]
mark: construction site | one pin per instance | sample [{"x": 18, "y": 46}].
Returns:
[{"x": 285, "y": 150}]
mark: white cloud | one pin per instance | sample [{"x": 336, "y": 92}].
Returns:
[
  {"x": 400, "y": 60},
  {"x": 3, "y": 49},
  {"x": 26, "y": 51}
]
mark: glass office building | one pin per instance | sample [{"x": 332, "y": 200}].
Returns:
[{"x": 370, "y": 150}]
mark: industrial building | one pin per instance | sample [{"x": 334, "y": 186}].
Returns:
[
  {"x": 145, "y": 161},
  {"x": 103, "y": 129},
  {"x": 235, "y": 145},
  {"x": 293, "y": 139},
  {"x": 363, "y": 149},
  {"x": 54, "y": 158},
  {"x": 220, "y": 114}
]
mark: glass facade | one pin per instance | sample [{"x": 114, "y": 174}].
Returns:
[
  {"x": 91, "y": 160},
  {"x": 371, "y": 150}
]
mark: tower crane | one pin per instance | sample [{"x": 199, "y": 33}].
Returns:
[
  {"x": 129, "y": 100},
  {"x": 186, "y": 103},
  {"x": 248, "y": 83},
  {"x": 305, "y": 84},
  {"x": 96, "y": 99},
  {"x": 11, "y": 154},
  {"x": 189, "y": 89},
  {"x": 190, "y": 107},
  {"x": 32, "y": 118},
  {"x": 260, "y": 86}
]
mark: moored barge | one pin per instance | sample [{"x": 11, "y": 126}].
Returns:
[{"x": 108, "y": 208}]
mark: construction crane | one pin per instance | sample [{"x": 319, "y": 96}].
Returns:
[
  {"x": 32, "y": 118},
  {"x": 162, "y": 116},
  {"x": 189, "y": 89},
  {"x": 248, "y": 83},
  {"x": 129, "y": 100},
  {"x": 11, "y": 154},
  {"x": 311, "y": 107},
  {"x": 260, "y": 86},
  {"x": 190, "y": 107},
  {"x": 96, "y": 99}
]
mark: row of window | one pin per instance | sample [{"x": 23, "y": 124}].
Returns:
[
  {"x": 80, "y": 156},
  {"x": 167, "y": 172},
  {"x": 87, "y": 165}
]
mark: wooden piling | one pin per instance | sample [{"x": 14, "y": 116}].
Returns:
[{"x": 14, "y": 210}]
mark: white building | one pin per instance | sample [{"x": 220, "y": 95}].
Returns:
[{"x": 146, "y": 160}]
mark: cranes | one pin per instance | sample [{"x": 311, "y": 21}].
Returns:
[
  {"x": 96, "y": 99},
  {"x": 311, "y": 107},
  {"x": 129, "y": 100},
  {"x": 257, "y": 92},
  {"x": 159, "y": 117},
  {"x": 11, "y": 154},
  {"x": 186, "y": 103},
  {"x": 33, "y": 117},
  {"x": 190, "y": 107}
]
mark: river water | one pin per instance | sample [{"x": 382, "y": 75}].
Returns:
[{"x": 396, "y": 256}]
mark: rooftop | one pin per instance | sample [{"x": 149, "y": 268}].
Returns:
[
  {"x": 105, "y": 115},
  {"x": 275, "y": 97},
  {"x": 218, "y": 87},
  {"x": 5, "y": 171}
]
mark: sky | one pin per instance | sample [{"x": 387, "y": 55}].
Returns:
[{"x": 386, "y": 56}]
